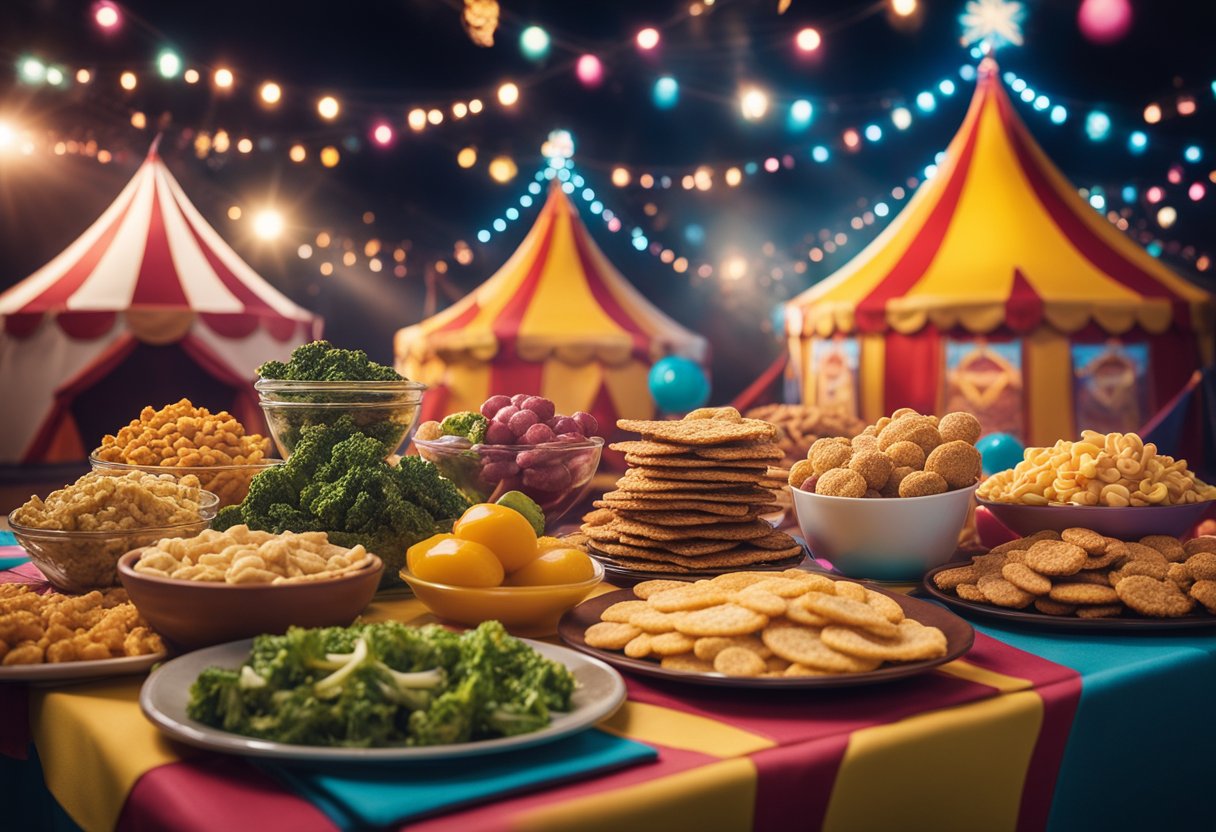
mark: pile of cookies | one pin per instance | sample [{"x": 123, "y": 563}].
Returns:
[
  {"x": 1081, "y": 573},
  {"x": 799, "y": 426},
  {"x": 903, "y": 455},
  {"x": 770, "y": 624},
  {"x": 691, "y": 499}
]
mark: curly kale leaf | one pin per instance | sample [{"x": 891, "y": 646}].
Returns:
[{"x": 322, "y": 361}]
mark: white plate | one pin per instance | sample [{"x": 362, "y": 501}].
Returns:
[
  {"x": 79, "y": 671},
  {"x": 599, "y": 692}
]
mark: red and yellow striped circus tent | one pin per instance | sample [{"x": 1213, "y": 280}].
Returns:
[
  {"x": 148, "y": 301},
  {"x": 999, "y": 290},
  {"x": 557, "y": 319}
]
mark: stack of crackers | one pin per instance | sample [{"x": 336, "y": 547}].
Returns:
[
  {"x": 691, "y": 499},
  {"x": 790, "y": 623}
]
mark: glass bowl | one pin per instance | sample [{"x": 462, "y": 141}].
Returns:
[
  {"x": 194, "y": 614},
  {"x": 524, "y": 610},
  {"x": 229, "y": 483},
  {"x": 385, "y": 410},
  {"x": 556, "y": 475},
  {"x": 78, "y": 561}
]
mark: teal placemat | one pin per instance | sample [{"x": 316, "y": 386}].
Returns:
[{"x": 380, "y": 795}]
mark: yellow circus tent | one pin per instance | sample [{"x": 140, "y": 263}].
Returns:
[
  {"x": 557, "y": 319},
  {"x": 999, "y": 290}
]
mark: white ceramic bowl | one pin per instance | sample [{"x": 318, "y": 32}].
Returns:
[{"x": 889, "y": 539}]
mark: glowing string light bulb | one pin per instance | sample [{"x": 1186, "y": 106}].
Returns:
[
  {"x": 901, "y": 117},
  {"x": 648, "y": 39},
  {"x": 168, "y": 63},
  {"x": 589, "y": 70},
  {"x": 105, "y": 15},
  {"x": 1137, "y": 142},
  {"x": 382, "y": 134},
  {"x": 753, "y": 103},
  {"x": 416, "y": 119},
  {"x": 666, "y": 92},
  {"x": 801, "y": 112},
  {"x": 925, "y": 102},
  {"x": 127, "y": 81},
  {"x": 271, "y": 93},
  {"x": 223, "y": 78},
  {"x": 328, "y": 108},
  {"x": 808, "y": 39},
  {"x": 903, "y": 8},
  {"x": 508, "y": 94},
  {"x": 534, "y": 42},
  {"x": 1097, "y": 126},
  {"x": 268, "y": 224}
]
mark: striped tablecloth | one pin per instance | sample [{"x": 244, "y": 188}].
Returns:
[{"x": 1029, "y": 731}]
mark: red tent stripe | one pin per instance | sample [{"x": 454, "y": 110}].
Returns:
[
  {"x": 55, "y": 296},
  {"x": 506, "y": 325},
  {"x": 911, "y": 267},
  {"x": 158, "y": 283},
  {"x": 602, "y": 294},
  {"x": 463, "y": 319},
  {"x": 1087, "y": 242}
]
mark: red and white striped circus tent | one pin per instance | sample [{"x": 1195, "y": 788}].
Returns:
[{"x": 149, "y": 290}]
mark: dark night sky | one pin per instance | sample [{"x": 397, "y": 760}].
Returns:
[{"x": 380, "y": 58}]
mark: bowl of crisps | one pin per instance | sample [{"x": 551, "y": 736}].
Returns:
[
  {"x": 229, "y": 483},
  {"x": 79, "y": 561},
  {"x": 530, "y": 611},
  {"x": 878, "y": 539},
  {"x": 384, "y": 410},
  {"x": 194, "y": 613},
  {"x": 1121, "y": 522}
]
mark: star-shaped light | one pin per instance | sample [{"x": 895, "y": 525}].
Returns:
[{"x": 992, "y": 23}]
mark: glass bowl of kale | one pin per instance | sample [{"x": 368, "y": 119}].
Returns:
[{"x": 322, "y": 383}]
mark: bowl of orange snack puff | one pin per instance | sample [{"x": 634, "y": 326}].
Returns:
[
  {"x": 493, "y": 566},
  {"x": 182, "y": 439}
]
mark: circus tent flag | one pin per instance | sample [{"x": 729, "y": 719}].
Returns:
[
  {"x": 557, "y": 319},
  {"x": 998, "y": 248},
  {"x": 149, "y": 271}
]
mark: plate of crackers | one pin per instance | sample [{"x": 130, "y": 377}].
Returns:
[
  {"x": 753, "y": 629},
  {"x": 1079, "y": 579},
  {"x": 693, "y": 500}
]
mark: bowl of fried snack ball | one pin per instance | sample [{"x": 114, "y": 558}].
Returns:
[
  {"x": 1114, "y": 483},
  {"x": 54, "y": 628},
  {"x": 889, "y": 504},
  {"x": 78, "y": 533},
  {"x": 220, "y": 586},
  {"x": 180, "y": 439},
  {"x": 1081, "y": 573}
]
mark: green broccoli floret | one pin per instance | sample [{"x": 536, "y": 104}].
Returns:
[
  {"x": 215, "y": 699},
  {"x": 472, "y": 426},
  {"x": 338, "y": 482},
  {"x": 450, "y": 718},
  {"x": 322, "y": 361}
]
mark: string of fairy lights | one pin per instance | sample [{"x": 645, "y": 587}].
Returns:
[{"x": 985, "y": 23}]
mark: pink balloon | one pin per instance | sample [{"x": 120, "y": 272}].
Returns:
[{"x": 1105, "y": 21}]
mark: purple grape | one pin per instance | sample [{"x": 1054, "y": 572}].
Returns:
[
  {"x": 538, "y": 434},
  {"x": 519, "y": 398},
  {"x": 547, "y": 478},
  {"x": 494, "y": 404},
  {"x": 587, "y": 423},
  {"x": 564, "y": 424},
  {"x": 506, "y": 413},
  {"x": 499, "y": 433},
  {"x": 521, "y": 421},
  {"x": 543, "y": 408},
  {"x": 570, "y": 438},
  {"x": 533, "y": 459},
  {"x": 496, "y": 471}
]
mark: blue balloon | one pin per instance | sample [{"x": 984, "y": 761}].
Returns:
[
  {"x": 678, "y": 384},
  {"x": 999, "y": 451}
]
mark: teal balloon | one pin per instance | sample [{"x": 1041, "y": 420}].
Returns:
[
  {"x": 999, "y": 451},
  {"x": 678, "y": 384}
]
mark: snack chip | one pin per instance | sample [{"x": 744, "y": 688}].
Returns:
[{"x": 65, "y": 628}]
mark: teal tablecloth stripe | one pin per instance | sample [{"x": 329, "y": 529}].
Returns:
[
  {"x": 10, "y": 553},
  {"x": 381, "y": 795},
  {"x": 7, "y": 538},
  {"x": 1143, "y": 727}
]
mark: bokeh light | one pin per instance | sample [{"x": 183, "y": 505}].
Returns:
[
  {"x": 224, "y": 78},
  {"x": 502, "y": 169},
  {"x": 467, "y": 157},
  {"x": 508, "y": 94},
  {"x": 168, "y": 63},
  {"x": 753, "y": 103},
  {"x": 330, "y": 156},
  {"x": 589, "y": 70},
  {"x": 666, "y": 92},
  {"x": 328, "y": 108},
  {"x": 1097, "y": 125},
  {"x": 1166, "y": 216},
  {"x": 648, "y": 38},
  {"x": 270, "y": 93},
  {"x": 106, "y": 15},
  {"x": 268, "y": 224},
  {"x": 1104, "y": 21},
  {"x": 534, "y": 42},
  {"x": 382, "y": 134},
  {"x": 808, "y": 39}
]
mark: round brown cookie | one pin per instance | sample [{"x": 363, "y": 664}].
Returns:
[
  {"x": 677, "y": 518},
  {"x": 602, "y": 534},
  {"x": 1158, "y": 570},
  {"x": 1025, "y": 578},
  {"x": 658, "y": 567},
  {"x": 687, "y": 597},
  {"x": 848, "y": 589},
  {"x": 599, "y": 517},
  {"x": 1015, "y": 556},
  {"x": 1179, "y": 574},
  {"x": 638, "y": 647},
  {"x": 685, "y": 548},
  {"x": 745, "y": 530},
  {"x": 736, "y": 581},
  {"x": 873, "y": 465},
  {"x": 765, "y": 603},
  {"x": 951, "y": 578},
  {"x": 686, "y": 662},
  {"x": 610, "y": 635},
  {"x": 617, "y": 501},
  {"x": 803, "y": 646},
  {"x": 738, "y": 661},
  {"x": 744, "y": 450},
  {"x": 1022, "y": 543},
  {"x": 696, "y": 462},
  {"x": 645, "y": 589},
  {"x": 774, "y": 540},
  {"x": 958, "y": 463},
  {"x": 970, "y": 592},
  {"x": 1072, "y": 593},
  {"x": 1152, "y": 597},
  {"x": 784, "y": 586},
  {"x": 1097, "y": 577},
  {"x": 1055, "y": 557},
  {"x": 886, "y": 606},
  {"x": 723, "y": 620},
  {"x": 621, "y": 611},
  {"x": 711, "y": 492},
  {"x": 796, "y": 669},
  {"x": 739, "y": 556},
  {"x": 699, "y": 432},
  {"x": 1002, "y": 593},
  {"x": 1205, "y": 593},
  {"x": 846, "y": 611},
  {"x": 671, "y": 644},
  {"x": 1170, "y": 547},
  {"x": 912, "y": 642},
  {"x": 1100, "y": 611},
  {"x": 651, "y": 448},
  {"x": 923, "y": 484},
  {"x": 801, "y": 615},
  {"x": 841, "y": 482},
  {"x": 1092, "y": 542},
  {"x": 1138, "y": 551},
  {"x": 1050, "y": 607},
  {"x": 776, "y": 666},
  {"x": 960, "y": 425},
  {"x": 1204, "y": 543},
  {"x": 989, "y": 563},
  {"x": 1108, "y": 558},
  {"x": 1202, "y": 566},
  {"x": 654, "y": 622},
  {"x": 905, "y": 454},
  {"x": 812, "y": 581},
  {"x": 697, "y": 475},
  {"x": 709, "y": 647}
]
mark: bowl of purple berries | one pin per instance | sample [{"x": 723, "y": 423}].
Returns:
[{"x": 516, "y": 443}]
